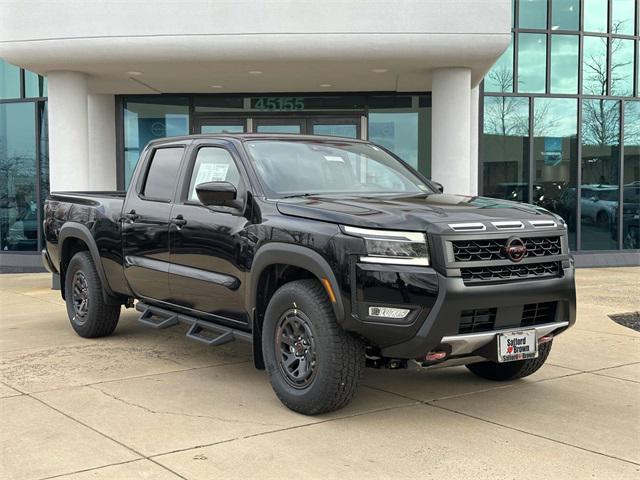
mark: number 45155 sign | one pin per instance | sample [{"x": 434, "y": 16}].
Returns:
[{"x": 277, "y": 103}]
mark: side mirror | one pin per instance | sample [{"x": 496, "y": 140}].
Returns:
[
  {"x": 217, "y": 193},
  {"x": 438, "y": 186}
]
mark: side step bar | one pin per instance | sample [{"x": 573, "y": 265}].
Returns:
[{"x": 201, "y": 330}]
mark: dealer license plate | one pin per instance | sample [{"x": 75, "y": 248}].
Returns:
[{"x": 514, "y": 346}]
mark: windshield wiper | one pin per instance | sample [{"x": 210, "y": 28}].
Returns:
[{"x": 301, "y": 195}]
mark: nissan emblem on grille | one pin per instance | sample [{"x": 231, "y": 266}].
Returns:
[{"x": 515, "y": 249}]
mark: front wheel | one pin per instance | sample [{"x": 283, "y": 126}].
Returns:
[
  {"x": 314, "y": 366},
  {"x": 89, "y": 314},
  {"x": 511, "y": 370}
]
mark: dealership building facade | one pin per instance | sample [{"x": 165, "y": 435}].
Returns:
[{"x": 532, "y": 100}]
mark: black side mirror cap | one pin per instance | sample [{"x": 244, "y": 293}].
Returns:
[
  {"x": 438, "y": 186},
  {"x": 217, "y": 193}
]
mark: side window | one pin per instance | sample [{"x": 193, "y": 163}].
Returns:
[
  {"x": 213, "y": 164},
  {"x": 162, "y": 174}
]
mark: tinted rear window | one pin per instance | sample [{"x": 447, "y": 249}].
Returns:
[{"x": 163, "y": 173}]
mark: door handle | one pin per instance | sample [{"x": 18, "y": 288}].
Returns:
[
  {"x": 132, "y": 216},
  {"x": 179, "y": 221}
]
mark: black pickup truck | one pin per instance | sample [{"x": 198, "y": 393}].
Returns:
[{"x": 327, "y": 254}]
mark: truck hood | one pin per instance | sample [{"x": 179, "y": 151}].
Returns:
[{"x": 413, "y": 212}]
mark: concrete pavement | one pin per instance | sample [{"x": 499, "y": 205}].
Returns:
[{"x": 144, "y": 404}]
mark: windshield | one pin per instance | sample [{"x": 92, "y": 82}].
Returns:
[{"x": 306, "y": 167}]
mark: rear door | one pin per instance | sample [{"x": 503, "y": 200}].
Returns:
[
  {"x": 209, "y": 245},
  {"x": 145, "y": 227}
]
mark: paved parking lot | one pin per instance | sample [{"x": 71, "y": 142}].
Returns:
[{"x": 144, "y": 404}]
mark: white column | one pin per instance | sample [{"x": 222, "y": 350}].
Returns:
[
  {"x": 451, "y": 130},
  {"x": 68, "y": 145},
  {"x": 102, "y": 142},
  {"x": 473, "y": 140}
]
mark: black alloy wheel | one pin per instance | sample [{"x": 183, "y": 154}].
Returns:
[{"x": 296, "y": 346}]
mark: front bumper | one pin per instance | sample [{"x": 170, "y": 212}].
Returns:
[{"x": 438, "y": 303}]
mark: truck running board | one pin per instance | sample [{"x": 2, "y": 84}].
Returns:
[{"x": 201, "y": 330}]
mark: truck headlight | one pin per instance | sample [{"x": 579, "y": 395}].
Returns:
[{"x": 392, "y": 247}]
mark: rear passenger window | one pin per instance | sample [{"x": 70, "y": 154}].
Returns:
[
  {"x": 163, "y": 174},
  {"x": 213, "y": 164}
]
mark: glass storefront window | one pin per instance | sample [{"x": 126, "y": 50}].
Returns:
[
  {"x": 600, "y": 174},
  {"x": 532, "y": 54},
  {"x": 623, "y": 13},
  {"x": 146, "y": 119},
  {"x": 631, "y": 177},
  {"x": 505, "y": 148},
  {"x": 18, "y": 202},
  {"x": 9, "y": 80},
  {"x": 500, "y": 77},
  {"x": 565, "y": 15},
  {"x": 44, "y": 156},
  {"x": 594, "y": 66},
  {"x": 564, "y": 64},
  {"x": 555, "y": 153},
  {"x": 595, "y": 15},
  {"x": 405, "y": 133},
  {"x": 622, "y": 67},
  {"x": 533, "y": 14},
  {"x": 34, "y": 85}
]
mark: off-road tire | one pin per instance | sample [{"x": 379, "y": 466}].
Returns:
[
  {"x": 503, "y": 372},
  {"x": 339, "y": 356},
  {"x": 100, "y": 318}
]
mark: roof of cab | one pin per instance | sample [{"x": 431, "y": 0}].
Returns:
[{"x": 243, "y": 137}]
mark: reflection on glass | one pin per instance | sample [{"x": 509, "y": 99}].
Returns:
[
  {"x": 148, "y": 119},
  {"x": 600, "y": 174},
  {"x": 532, "y": 52},
  {"x": 621, "y": 67},
  {"x": 564, "y": 64},
  {"x": 500, "y": 77},
  {"x": 594, "y": 66},
  {"x": 18, "y": 202},
  {"x": 505, "y": 148},
  {"x": 555, "y": 157},
  {"x": 533, "y": 14},
  {"x": 336, "y": 130},
  {"x": 222, "y": 129},
  {"x": 631, "y": 176},
  {"x": 9, "y": 80},
  {"x": 397, "y": 132},
  {"x": 44, "y": 157},
  {"x": 34, "y": 85},
  {"x": 622, "y": 13},
  {"x": 565, "y": 15},
  {"x": 595, "y": 15},
  {"x": 268, "y": 128}
]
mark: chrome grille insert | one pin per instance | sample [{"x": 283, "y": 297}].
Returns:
[
  {"x": 467, "y": 227},
  {"x": 508, "y": 225}
]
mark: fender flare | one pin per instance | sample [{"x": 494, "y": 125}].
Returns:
[
  {"x": 77, "y": 230},
  {"x": 296, "y": 256}
]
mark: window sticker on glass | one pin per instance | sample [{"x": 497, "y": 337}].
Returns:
[{"x": 212, "y": 172}]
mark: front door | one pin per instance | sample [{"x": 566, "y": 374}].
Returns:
[
  {"x": 145, "y": 227},
  {"x": 208, "y": 248}
]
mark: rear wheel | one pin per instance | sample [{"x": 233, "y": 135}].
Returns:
[
  {"x": 511, "y": 370},
  {"x": 89, "y": 314},
  {"x": 314, "y": 366}
]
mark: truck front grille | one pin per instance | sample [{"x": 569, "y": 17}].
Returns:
[
  {"x": 493, "y": 249},
  {"x": 483, "y": 319},
  {"x": 510, "y": 272},
  {"x": 477, "y": 320},
  {"x": 538, "y": 313}
]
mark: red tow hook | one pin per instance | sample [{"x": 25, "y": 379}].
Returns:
[
  {"x": 434, "y": 356},
  {"x": 545, "y": 339}
]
